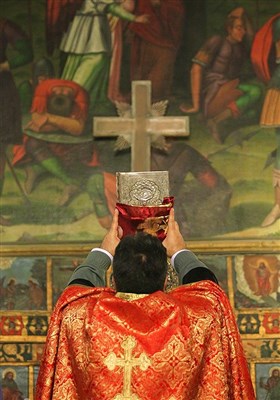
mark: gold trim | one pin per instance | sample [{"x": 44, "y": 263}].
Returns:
[
  {"x": 229, "y": 266},
  {"x": 49, "y": 278},
  {"x": 31, "y": 383},
  {"x": 22, "y": 339},
  {"x": 7, "y": 364},
  {"x": 210, "y": 246},
  {"x": 130, "y": 296}
]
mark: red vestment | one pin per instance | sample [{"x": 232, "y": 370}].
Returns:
[{"x": 181, "y": 345}]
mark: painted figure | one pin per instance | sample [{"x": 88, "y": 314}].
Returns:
[
  {"x": 36, "y": 294},
  {"x": 267, "y": 66},
  {"x": 55, "y": 139},
  {"x": 263, "y": 280},
  {"x": 86, "y": 42},
  {"x": 119, "y": 28},
  {"x": 11, "y": 35},
  {"x": 11, "y": 294},
  {"x": 272, "y": 385},
  {"x": 155, "y": 45},
  {"x": 9, "y": 386},
  {"x": 57, "y": 154},
  {"x": 216, "y": 85}
]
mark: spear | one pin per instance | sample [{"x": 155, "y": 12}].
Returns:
[
  {"x": 17, "y": 180},
  {"x": 239, "y": 140},
  {"x": 270, "y": 159}
]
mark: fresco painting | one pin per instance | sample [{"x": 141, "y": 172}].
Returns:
[
  {"x": 256, "y": 281},
  {"x": 62, "y": 269},
  {"x": 23, "y": 283},
  {"x": 58, "y": 179},
  {"x": 268, "y": 381},
  {"x": 262, "y": 348},
  {"x": 14, "y": 382}
]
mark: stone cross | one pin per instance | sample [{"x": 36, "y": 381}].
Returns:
[
  {"x": 127, "y": 362},
  {"x": 140, "y": 126}
]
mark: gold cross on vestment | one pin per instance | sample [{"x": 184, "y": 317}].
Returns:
[
  {"x": 127, "y": 362},
  {"x": 141, "y": 126}
]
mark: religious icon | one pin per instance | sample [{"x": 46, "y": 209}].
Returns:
[
  {"x": 263, "y": 275},
  {"x": 23, "y": 283},
  {"x": 271, "y": 384},
  {"x": 9, "y": 385},
  {"x": 257, "y": 279}
]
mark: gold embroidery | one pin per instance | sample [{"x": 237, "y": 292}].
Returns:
[
  {"x": 130, "y": 296},
  {"x": 153, "y": 225},
  {"x": 174, "y": 356},
  {"x": 127, "y": 362}
]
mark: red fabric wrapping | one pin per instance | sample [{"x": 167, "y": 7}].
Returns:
[
  {"x": 110, "y": 190},
  {"x": 150, "y": 219}
]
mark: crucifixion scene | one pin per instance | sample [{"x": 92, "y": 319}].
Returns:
[{"x": 139, "y": 88}]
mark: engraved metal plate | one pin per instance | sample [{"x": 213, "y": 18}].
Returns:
[{"x": 142, "y": 188}]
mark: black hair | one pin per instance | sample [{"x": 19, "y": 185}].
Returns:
[
  {"x": 140, "y": 264},
  {"x": 230, "y": 20}
]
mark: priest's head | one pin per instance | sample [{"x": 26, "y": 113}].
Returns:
[{"x": 140, "y": 264}]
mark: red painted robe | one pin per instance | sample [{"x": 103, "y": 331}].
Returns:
[
  {"x": 59, "y": 147},
  {"x": 155, "y": 45},
  {"x": 261, "y": 49},
  {"x": 181, "y": 345},
  {"x": 262, "y": 55}
]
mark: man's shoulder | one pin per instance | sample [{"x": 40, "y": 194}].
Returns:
[
  {"x": 200, "y": 295},
  {"x": 214, "y": 41},
  {"x": 75, "y": 295}
]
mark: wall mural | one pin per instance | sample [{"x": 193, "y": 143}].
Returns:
[
  {"x": 58, "y": 178},
  {"x": 213, "y": 62}
]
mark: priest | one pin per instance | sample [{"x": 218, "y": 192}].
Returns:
[{"x": 139, "y": 341}]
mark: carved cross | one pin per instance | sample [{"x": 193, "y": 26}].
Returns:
[
  {"x": 127, "y": 362},
  {"x": 141, "y": 126}
]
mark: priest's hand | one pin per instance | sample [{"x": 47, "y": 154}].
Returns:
[
  {"x": 174, "y": 240},
  {"x": 113, "y": 236}
]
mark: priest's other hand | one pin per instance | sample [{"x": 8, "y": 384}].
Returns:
[
  {"x": 174, "y": 240},
  {"x": 113, "y": 236}
]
